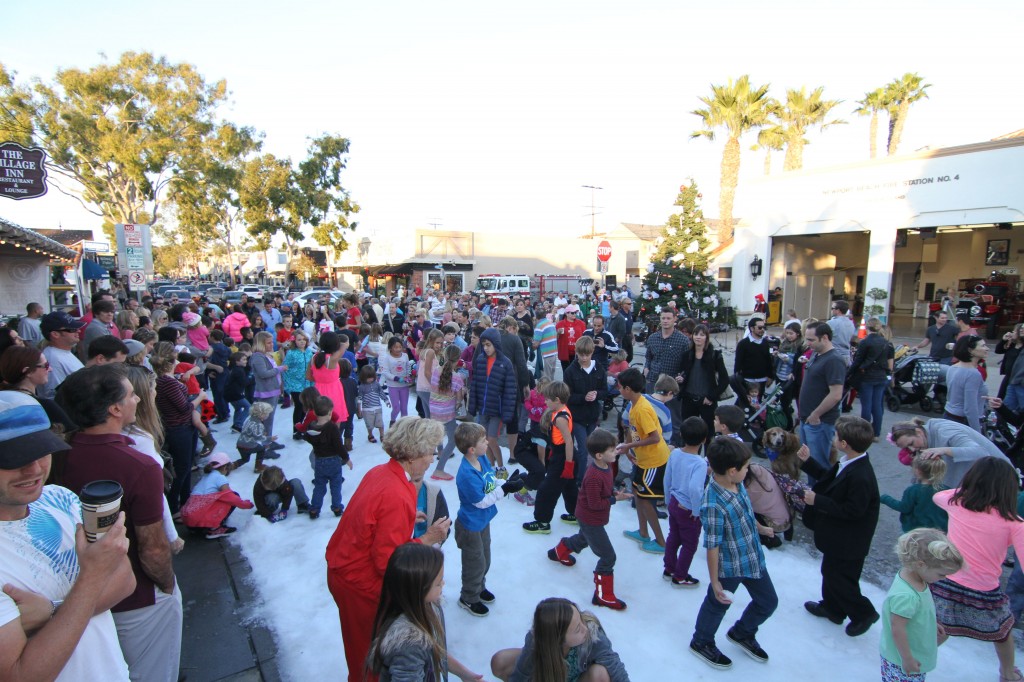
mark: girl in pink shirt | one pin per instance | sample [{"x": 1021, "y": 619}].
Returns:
[{"x": 983, "y": 522}]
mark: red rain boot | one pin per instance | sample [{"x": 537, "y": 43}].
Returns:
[
  {"x": 604, "y": 592},
  {"x": 562, "y": 555}
]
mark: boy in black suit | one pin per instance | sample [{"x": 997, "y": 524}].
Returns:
[{"x": 842, "y": 510}]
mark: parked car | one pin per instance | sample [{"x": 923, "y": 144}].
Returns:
[
  {"x": 231, "y": 298},
  {"x": 253, "y": 291},
  {"x": 317, "y": 295},
  {"x": 215, "y": 294},
  {"x": 988, "y": 302},
  {"x": 182, "y": 294}
]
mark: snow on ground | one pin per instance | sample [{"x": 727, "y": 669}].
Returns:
[{"x": 651, "y": 635}]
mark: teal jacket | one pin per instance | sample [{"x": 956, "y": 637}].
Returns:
[{"x": 917, "y": 509}]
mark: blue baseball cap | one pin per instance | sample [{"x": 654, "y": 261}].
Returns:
[
  {"x": 51, "y": 322},
  {"x": 25, "y": 434}
]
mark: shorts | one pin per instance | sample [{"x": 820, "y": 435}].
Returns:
[
  {"x": 492, "y": 424},
  {"x": 374, "y": 419},
  {"x": 649, "y": 483}
]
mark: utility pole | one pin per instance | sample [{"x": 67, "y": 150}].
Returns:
[{"x": 593, "y": 209}]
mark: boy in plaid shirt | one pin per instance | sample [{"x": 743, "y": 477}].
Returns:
[{"x": 734, "y": 557}]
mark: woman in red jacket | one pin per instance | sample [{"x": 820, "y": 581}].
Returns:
[{"x": 380, "y": 516}]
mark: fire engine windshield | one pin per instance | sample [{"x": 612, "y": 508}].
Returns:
[{"x": 486, "y": 283}]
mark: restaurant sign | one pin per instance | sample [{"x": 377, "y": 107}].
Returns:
[{"x": 22, "y": 171}]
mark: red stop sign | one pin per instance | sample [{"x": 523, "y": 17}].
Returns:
[{"x": 604, "y": 251}]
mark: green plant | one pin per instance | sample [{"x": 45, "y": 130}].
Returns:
[{"x": 875, "y": 295}]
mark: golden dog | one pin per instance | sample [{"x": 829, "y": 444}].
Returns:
[{"x": 786, "y": 445}]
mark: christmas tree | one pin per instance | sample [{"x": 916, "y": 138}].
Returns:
[{"x": 678, "y": 272}]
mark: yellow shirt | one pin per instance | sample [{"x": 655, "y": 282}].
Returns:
[{"x": 643, "y": 421}]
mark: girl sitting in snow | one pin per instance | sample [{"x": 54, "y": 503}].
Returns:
[
  {"x": 564, "y": 644},
  {"x": 409, "y": 641},
  {"x": 213, "y": 500}
]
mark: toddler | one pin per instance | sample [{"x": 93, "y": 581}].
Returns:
[
  {"x": 213, "y": 500},
  {"x": 371, "y": 402},
  {"x": 273, "y": 494},
  {"x": 254, "y": 440},
  {"x": 329, "y": 456},
  {"x": 593, "y": 507},
  {"x": 350, "y": 389},
  {"x": 910, "y": 633},
  {"x": 917, "y": 510}
]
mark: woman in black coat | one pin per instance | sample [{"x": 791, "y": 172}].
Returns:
[{"x": 705, "y": 379}]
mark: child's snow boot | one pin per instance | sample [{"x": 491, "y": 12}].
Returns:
[
  {"x": 208, "y": 444},
  {"x": 604, "y": 592},
  {"x": 348, "y": 444},
  {"x": 562, "y": 555}
]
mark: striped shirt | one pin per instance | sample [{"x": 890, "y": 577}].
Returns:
[
  {"x": 172, "y": 402},
  {"x": 546, "y": 335},
  {"x": 729, "y": 525},
  {"x": 370, "y": 396}
]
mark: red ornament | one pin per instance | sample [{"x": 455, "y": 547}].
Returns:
[{"x": 689, "y": 284}]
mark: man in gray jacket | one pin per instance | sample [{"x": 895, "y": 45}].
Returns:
[{"x": 842, "y": 330}]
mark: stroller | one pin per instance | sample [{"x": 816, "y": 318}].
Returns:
[
  {"x": 923, "y": 376},
  {"x": 766, "y": 416}
]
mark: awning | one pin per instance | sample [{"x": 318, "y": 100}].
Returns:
[
  {"x": 396, "y": 270},
  {"x": 93, "y": 270},
  {"x": 22, "y": 237}
]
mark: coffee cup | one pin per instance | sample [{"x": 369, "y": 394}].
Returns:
[{"x": 101, "y": 503}]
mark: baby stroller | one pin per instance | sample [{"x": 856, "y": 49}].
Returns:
[
  {"x": 769, "y": 414},
  {"x": 921, "y": 374}
]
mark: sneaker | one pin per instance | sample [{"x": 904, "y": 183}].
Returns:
[
  {"x": 236, "y": 429},
  {"x": 749, "y": 645},
  {"x": 313, "y": 515},
  {"x": 220, "y": 532},
  {"x": 220, "y": 420},
  {"x": 635, "y": 536},
  {"x": 303, "y": 509},
  {"x": 275, "y": 446},
  {"x": 475, "y": 609},
  {"x": 537, "y": 528},
  {"x": 662, "y": 514},
  {"x": 710, "y": 654},
  {"x": 570, "y": 519},
  {"x": 486, "y": 596},
  {"x": 338, "y": 510},
  {"x": 296, "y": 435},
  {"x": 441, "y": 476},
  {"x": 652, "y": 547},
  {"x": 525, "y": 498},
  {"x": 501, "y": 473},
  {"x": 272, "y": 454},
  {"x": 688, "y": 581},
  {"x": 666, "y": 575}
]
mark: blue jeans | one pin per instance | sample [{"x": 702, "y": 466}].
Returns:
[
  {"x": 763, "y": 601},
  {"x": 872, "y": 397},
  {"x": 241, "y": 412},
  {"x": 180, "y": 444},
  {"x": 217, "y": 382},
  {"x": 818, "y": 439},
  {"x": 326, "y": 470},
  {"x": 1015, "y": 397}
]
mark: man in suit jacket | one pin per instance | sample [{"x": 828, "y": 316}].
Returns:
[{"x": 842, "y": 510}]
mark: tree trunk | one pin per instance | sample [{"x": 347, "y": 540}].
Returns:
[
  {"x": 897, "y": 128},
  {"x": 794, "y": 155},
  {"x": 767, "y": 161},
  {"x": 892, "y": 126},
  {"x": 730, "y": 176},
  {"x": 874, "y": 134}
]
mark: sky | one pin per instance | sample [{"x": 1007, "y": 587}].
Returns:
[{"x": 490, "y": 116}]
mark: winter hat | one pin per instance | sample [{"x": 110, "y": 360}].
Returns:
[
  {"x": 217, "y": 460},
  {"x": 191, "y": 319},
  {"x": 134, "y": 347}
]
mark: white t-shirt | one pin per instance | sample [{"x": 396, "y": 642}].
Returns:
[
  {"x": 144, "y": 444},
  {"x": 37, "y": 553},
  {"x": 62, "y": 364}
]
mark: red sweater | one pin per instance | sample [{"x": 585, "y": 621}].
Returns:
[
  {"x": 379, "y": 518},
  {"x": 595, "y": 499}
]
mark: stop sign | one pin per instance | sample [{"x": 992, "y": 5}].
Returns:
[{"x": 604, "y": 251}]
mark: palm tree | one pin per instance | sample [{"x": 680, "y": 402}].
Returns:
[
  {"x": 738, "y": 107},
  {"x": 899, "y": 95},
  {"x": 769, "y": 139},
  {"x": 802, "y": 111},
  {"x": 872, "y": 103}
]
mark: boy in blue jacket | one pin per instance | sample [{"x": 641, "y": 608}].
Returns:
[
  {"x": 493, "y": 394},
  {"x": 478, "y": 493}
]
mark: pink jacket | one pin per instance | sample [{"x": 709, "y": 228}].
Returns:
[
  {"x": 233, "y": 324},
  {"x": 210, "y": 511}
]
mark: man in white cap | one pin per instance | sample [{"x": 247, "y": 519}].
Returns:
[
  {"x": 57, "y": 587},
  {"x": 570, "y": 330}
]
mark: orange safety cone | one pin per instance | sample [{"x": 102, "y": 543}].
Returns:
[{"x": 863, "y": 331}]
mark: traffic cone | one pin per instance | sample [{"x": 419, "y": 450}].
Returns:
[{"x": 863, "y": 331}]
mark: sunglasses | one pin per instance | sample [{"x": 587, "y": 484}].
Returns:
[
  {"x": 45, "y": 365},
  {"x": 759, "y": 328}
]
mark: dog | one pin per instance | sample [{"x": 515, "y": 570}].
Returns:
[{"x": 783, "y": 445}]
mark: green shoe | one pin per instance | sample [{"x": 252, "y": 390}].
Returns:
[{"x": 652, "y": 547}]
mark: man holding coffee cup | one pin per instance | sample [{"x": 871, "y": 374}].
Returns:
[
  {"x": 57, "y": 587},
  {"x": 102, "y": 402}
]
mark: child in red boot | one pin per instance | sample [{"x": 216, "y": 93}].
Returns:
[{"x": 597, "y": 494}]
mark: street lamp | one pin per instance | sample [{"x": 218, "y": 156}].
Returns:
[{"x": 755, "y": 267}]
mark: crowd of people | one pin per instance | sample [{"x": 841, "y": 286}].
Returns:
[{"x": 149, "y": 395}]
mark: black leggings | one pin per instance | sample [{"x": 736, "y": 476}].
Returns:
[
  {"x": 298, "y": 414},
  {"x": 552, "y": 487}
]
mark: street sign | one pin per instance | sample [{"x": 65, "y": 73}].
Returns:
[
  {"x": 97, "y": 247},
  {"x": 134, "y": 254},
  {"x": 603, "y": 267},
  {"x": 22, "y": 171},
  {"x": 604, "y": 251},
  {"x": 137, "y": 278}
]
